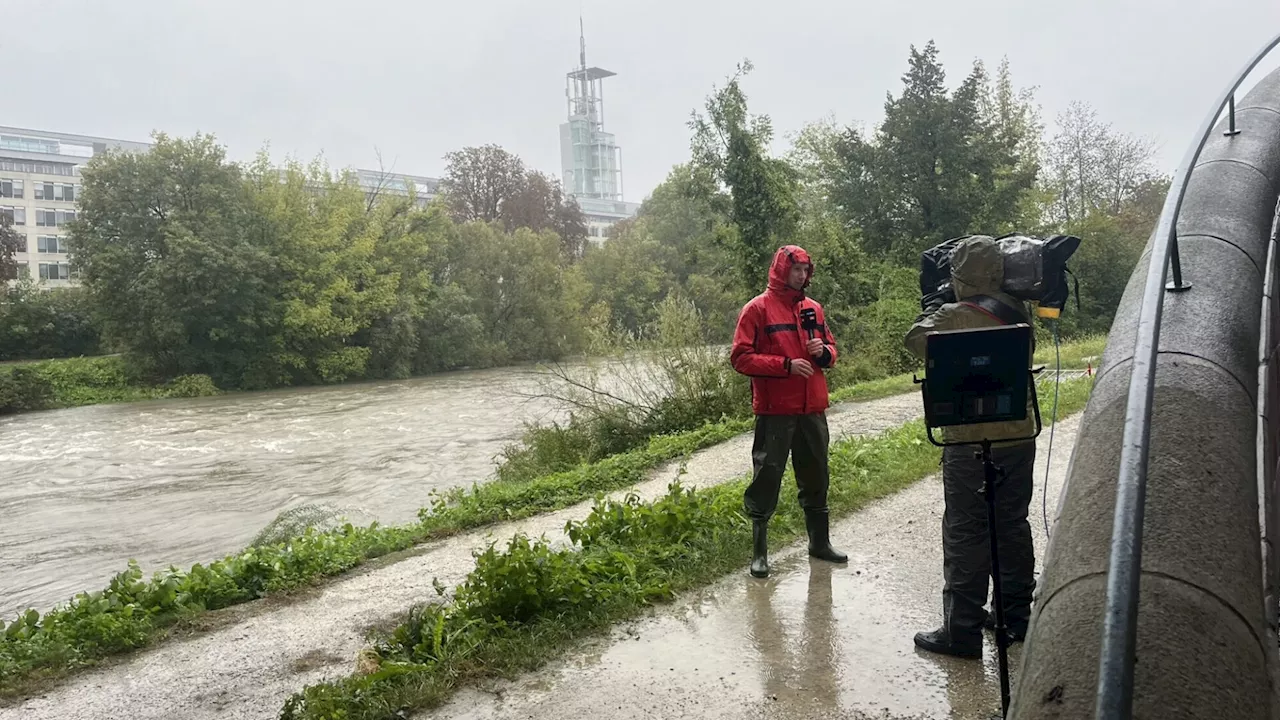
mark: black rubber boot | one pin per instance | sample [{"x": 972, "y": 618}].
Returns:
[
  {"x": 760, "y": 548},
  {"x": 818, "y": 524},
  {"x": 1017, "y": 633},
  {"x": 940, "y": 641}
]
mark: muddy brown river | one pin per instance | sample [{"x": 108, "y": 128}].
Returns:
[{"x": 84, "y": 490}]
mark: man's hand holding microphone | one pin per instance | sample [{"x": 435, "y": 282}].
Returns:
[{"x": 815, "y": 347}]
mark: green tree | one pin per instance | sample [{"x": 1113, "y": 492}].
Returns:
[
  {"x": 490, "y": 184},
  {"x": 540, "y": 204},
  {"x": 164, "y": 249},
  {"x": 517, "y": 287},
  {"x": 325, "y": 245},
  {"x": 11, "y": 243},
  {"x": 730, "y": 152},
  {"x": 1093, "y": 167},
  {"x": 682, "y": 222},
  {"x": 452, "y": 335},
  {"x": 478, "y": 181},
  {"x": 1111, "y": 245},
  {"x": 403, "y": 236},
  {"x": 938, "y": 166},
  {"x": 815, "y": 156},
  {"x": 630, "y": 275},
  {"x": 1015, "y": 140}
]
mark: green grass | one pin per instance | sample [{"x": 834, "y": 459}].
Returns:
[
  {"x": 874, "y": 389},
  {"x": 526, "y": 605},
  {"x": 1073, "y": 353},
  {"x": 74, "y": 382}
]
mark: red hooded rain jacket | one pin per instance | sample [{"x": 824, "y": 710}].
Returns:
[{"x": 769, "y": 336}]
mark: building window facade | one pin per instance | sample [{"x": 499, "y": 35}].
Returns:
[
  {"x": 51, "y": 244},
  {"x": 35, "y": 168},
  {"x": 55, "y": 191},
  {"x": 17, "y": 214},
  {"x": 28, "y": 144},
  {"x": 11, "y": 188},
  {"x": 55, "y": 271},
  {"x": 46, "y": 217}
]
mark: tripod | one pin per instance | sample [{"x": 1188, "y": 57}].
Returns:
[{"x": 989, "y": 472}]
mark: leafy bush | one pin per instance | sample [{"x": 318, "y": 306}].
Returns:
[
  {"x": 23, "y": 389},
  {"x": 36, "y": 324},
  {"x": 668, "y": 380},
  {"x": 86, "y": 381},
  {"x": 73, "y": 382},
  {"x": 191, "y": 386}
]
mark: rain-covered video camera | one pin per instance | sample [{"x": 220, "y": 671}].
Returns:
[{"x": 1035, "y": 270}]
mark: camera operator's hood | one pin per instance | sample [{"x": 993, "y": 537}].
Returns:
[{"x": 977, "y": 267}]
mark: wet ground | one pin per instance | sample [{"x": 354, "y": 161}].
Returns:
[
  {"x": 264, "y": 651},
  {"x": 812, "y": 642}
]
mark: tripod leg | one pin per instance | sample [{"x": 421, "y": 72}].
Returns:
[{"x": 997, "y": 604}]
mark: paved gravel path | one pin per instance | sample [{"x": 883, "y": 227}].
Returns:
[{"x": 815, "y": 641}]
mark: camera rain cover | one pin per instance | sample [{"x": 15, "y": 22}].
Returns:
[{"x": 1034, "y": 269}]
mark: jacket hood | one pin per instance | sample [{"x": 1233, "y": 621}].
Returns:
[
  {"x": 977, "y": 267},
  {"x": 783, "y": 259}
]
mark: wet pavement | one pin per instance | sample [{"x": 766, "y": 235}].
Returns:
[{"x": 814, "y": 641}]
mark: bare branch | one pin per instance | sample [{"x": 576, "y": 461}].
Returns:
[{"x": 383, "y": 176}]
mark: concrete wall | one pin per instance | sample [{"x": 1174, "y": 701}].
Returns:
[{"x": 1202, "y": 636}]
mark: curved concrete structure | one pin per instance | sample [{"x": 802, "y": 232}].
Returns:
[{"x": 1205, "y": 648}]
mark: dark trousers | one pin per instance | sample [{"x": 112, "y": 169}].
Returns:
[
  {"x": 966, "y": 552},
  {"x": 805, "y": 439}
]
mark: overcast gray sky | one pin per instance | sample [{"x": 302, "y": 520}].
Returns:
[{"x": 418, "y": 79}]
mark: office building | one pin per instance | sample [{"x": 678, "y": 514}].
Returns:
[
  {"x": 378, "y": 183},
  {"x": 39, "y": 183},
  {"x": 590, "y": 158}
]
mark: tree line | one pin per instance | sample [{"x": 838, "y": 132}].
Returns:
[{"x": 259, "y": 276}]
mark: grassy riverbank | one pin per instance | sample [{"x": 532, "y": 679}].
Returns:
[
  {"x": 524, "y": 606},
  {"x": 73, "y": 382}
]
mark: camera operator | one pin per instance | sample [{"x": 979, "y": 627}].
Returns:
[
  {"x": 782, "y": 343},
  {"x": 977, "y": 273}
]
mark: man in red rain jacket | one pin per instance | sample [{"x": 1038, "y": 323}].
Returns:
[{"x": 784, "y": 356}]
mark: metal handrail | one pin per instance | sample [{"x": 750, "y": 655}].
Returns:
[
  {"x": 1120, "y": 630},
  {"x": 1266, "y": 418}
]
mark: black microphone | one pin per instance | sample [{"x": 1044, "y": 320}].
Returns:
[{"x": 809, "y": 320}]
